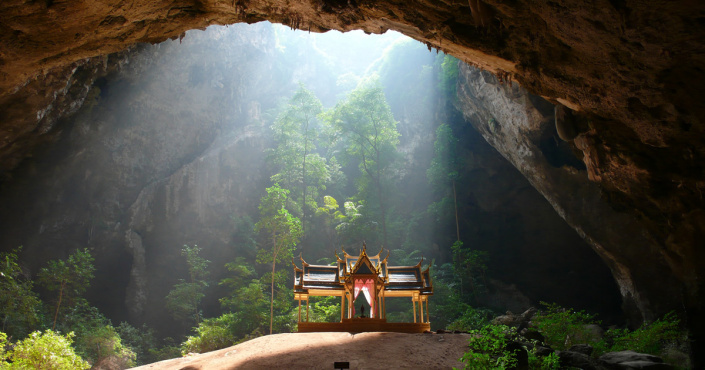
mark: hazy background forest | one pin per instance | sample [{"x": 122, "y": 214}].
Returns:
[{"x": 154, "y": 211}]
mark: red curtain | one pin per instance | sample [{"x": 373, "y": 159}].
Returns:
[{"x": 367, "y": 287}]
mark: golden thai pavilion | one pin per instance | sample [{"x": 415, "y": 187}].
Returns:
[{"x": 372, "y": 277}]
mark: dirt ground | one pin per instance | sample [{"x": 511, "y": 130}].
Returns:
[{"x": 321, "y": 350}]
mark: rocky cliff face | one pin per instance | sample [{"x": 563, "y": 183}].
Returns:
[
  {"x": 524, "y": 129},
  {"x": 166, "y": 152}
]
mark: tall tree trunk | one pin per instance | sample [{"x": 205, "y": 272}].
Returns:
[
  {"x": 271, "y": 301},
  {"x": 58, "y": 305}
]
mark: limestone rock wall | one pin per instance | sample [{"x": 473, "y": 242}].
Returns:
[
  {"x": 166, "y": 151},
  {"x": 523, "y": 129}
]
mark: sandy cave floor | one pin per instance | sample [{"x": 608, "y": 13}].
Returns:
[{"x": 320, "y": 350}]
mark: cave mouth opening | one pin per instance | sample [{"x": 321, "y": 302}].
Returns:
[{"x": 171, "y": 152}]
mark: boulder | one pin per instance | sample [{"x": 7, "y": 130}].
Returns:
[
  {"x": 580, "y": 360},
  {"x": 633, "y": 360},
  {"x": 585, "y": 349}
]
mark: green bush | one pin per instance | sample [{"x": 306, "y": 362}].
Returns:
[
  {"x": 487, "y": 348},
  {"x": 140, "y": 340},
  {"x": 472, "y": 319},
  {"x": 550, "y": 362},
  {"x": 563, "y": 327},
  {"x": 47, "y": 350},
  {"x": 651, "y": 338},
  {"x": 96, "y": 338},
  {"x": 103, "y": 345},
  {"x": 212, "y": 334},
  {"x": 20, "y": 307},
  {"x": 166, "y": 351}
]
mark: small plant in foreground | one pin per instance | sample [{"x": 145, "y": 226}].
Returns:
[
  {"x": 472, "y": 319},
  {"x": 212, "y": 334},
  {"x": 550, "y": 362},
  {"x": 47, "y": 350},
  {"x": 651, "y": 338},
  {"x": 563, "y": 327},
  {"x": 488, "y": 349}
]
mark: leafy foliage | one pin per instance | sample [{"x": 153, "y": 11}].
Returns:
[
  {"x": 300, "y": 169},
  {"x": 19, "y": 305},
  {"x": 448, "y": 75},
  {"x": 96, "y": 339},
  {"x": 487, "y": 349},
  {"x": 141, "y": 340},
  {"x": 365, "y": 123},
  {"x": 324, "y": 309},
  {"x": 213, "y": 334},
  {"x": 281, "y": 232},
  {"x": 650, "y": 338},
  {"x": 472, "y": 319},
  {"x": 103, "y": 344},
  {"x": 47, "y": 350},
  {"x": 563, "y": 327},
  {"x": 549, "y": 362},
  {"x": 469, "y": 268},
  {"x": 71, "y": 277},
  {"x": 185, "y": 297},
  {"x": 247, "y": 296}
]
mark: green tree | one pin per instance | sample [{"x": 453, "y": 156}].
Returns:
[
  {"x": 71, "y": 277},
  {"x": 185, "y": 297},
  {"x": 448, "y": 75},
  {"x": 18, "y": 303},
  {"x": 281, "y": 232},
  {"x": 247, "y": 297},
  {"x": 300, "y": 169},
  {"x": 366, "y": 125}
]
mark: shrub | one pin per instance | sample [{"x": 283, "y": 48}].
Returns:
[
  {"x": 103, "y": 344},
  {"x": 563, "y": 327},
  {"x": 651, "y": 338},
  {"x": 47, "y": 350},
  {"x": 488, "y": 349},
  {"x": 20, "y": 307},
  {"x": 212, "y": 334},
  {"x": 472, "y": 319},
  {"x": 550, "y": 362},
  {"x": 140, "y": 340},
  {"x": 167, "y": 351},
  {"x": 96, "y": 338}
]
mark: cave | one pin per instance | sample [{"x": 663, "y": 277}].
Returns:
[{"x": 595, "y": 107}]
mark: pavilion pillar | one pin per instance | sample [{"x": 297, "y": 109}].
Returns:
[
  {"x": 427, "y": 319},
  {"x": 421, "y": 309},
  {"x": 342, "y": 306},
  {"x": 413, "y": 303},
  {"x": 307, "y": 304},
  {"x": 350, "y": 307},
  {"x": 299, "y": 308},
  {"x": 384, "y": 303}
]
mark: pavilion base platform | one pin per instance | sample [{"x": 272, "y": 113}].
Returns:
[{"x": 361, "y": 325}]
